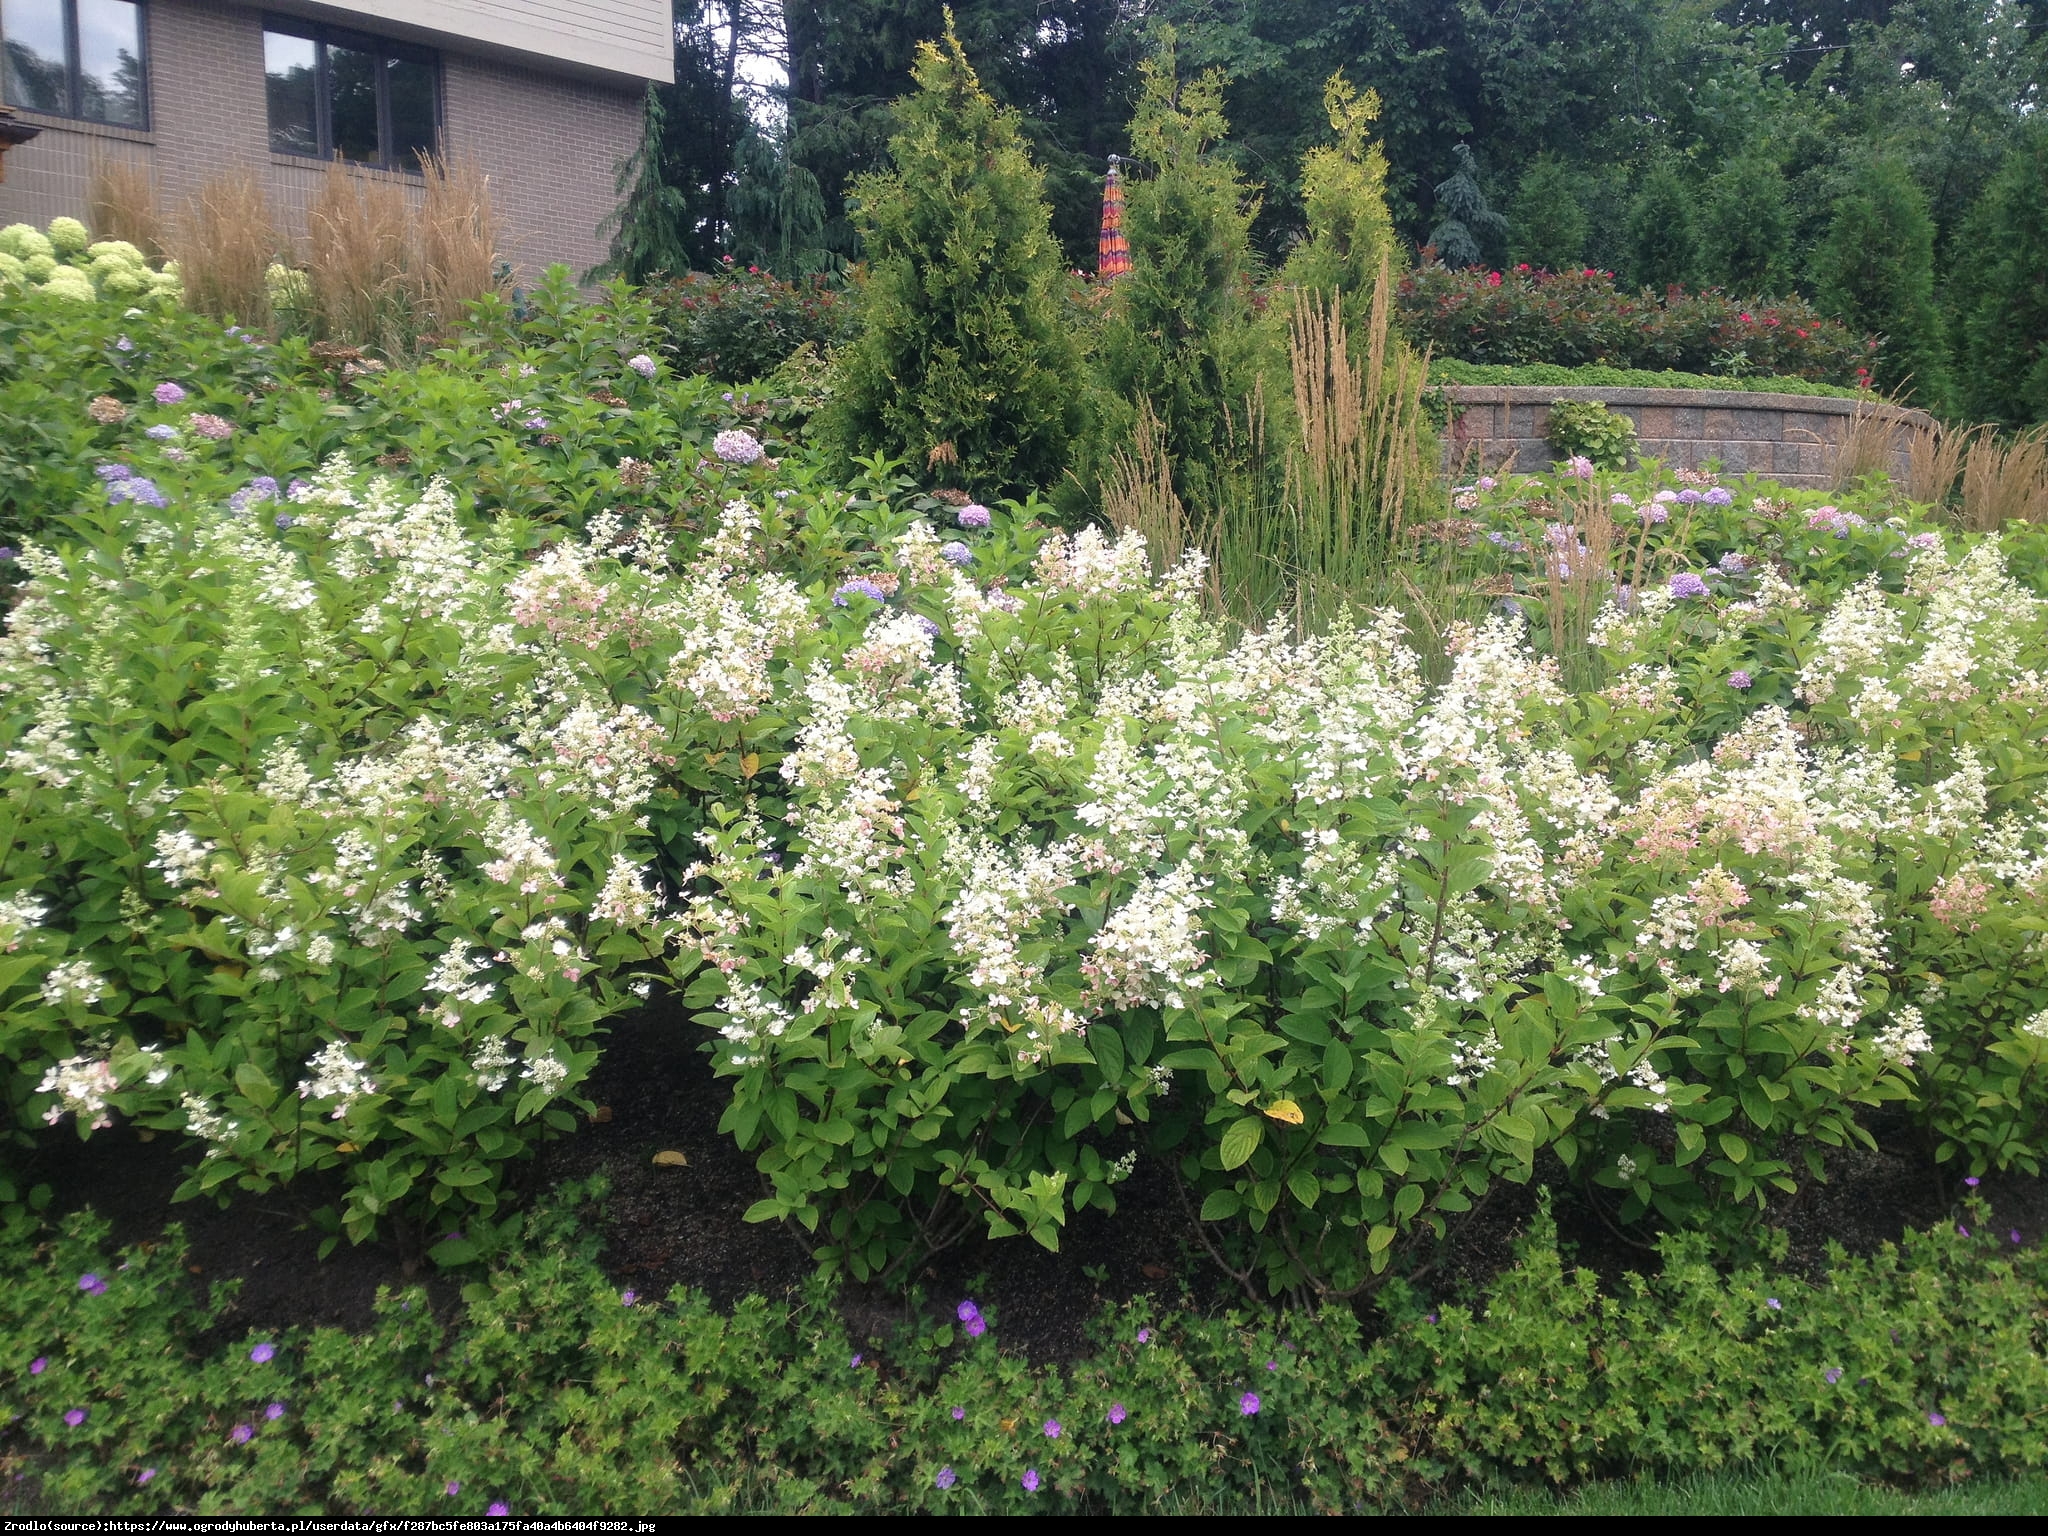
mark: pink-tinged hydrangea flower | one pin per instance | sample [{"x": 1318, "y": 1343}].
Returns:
[
  {"x": 1117, "y": 1414},
  {"x": 945, "y": 1479},
  {"x": 1653, "y": 513},
  {"x": 242, "y": 1434},
  {"x": 168, "y": 393},
  {"x": 1486, "y": 482},
  {"x": 1248, "y": 1404},
  {"x": 1052, "y": 1429},
  {"x": 74, "y": 1417},
  {"x": 736, "y": 447},
  {"x": 142, "y": 1478},
  {"x": 1579, "y": 467},
  {"x": 641, "y": 364},
  {"x": 263, "y": 1354},
  {"x": 215, "y": 429},
  {"x": 274, "y": 1412},
  {"x": 1740, "y": 680},
  {"x": 40, "y": 1364},
  {"x": 92, "y": 1284},
  {"x": 974, "y": 515},
  {"x": 1030, "y": 1480}
]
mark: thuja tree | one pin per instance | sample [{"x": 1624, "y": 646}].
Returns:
[
  {"x": 964, "y": 365},
  {"x": 1344, "y": 192},
  {"x": 1662, "y": 246},
  {"x": 1875, "y": 270},
  {"x": 1547, "y": 226},
  {"x": 1745, "y": 227},
  {"x": 2005, "y": 321},
  {"x": 1181, "y": 337}
]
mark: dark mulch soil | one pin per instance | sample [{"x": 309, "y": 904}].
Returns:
[{"x": 669, "y": 1225}]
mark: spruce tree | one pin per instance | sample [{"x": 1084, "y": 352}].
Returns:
[
  {"x": 1547, "y": 224},
  {"x": 1746, "y": 227},
  {"x": 649, "y": 229},
  {"x": 2005, "y": 315},
  {"x": 1467, "y": 227},
  {"x": 1180, "y": 337},
  {"x": 1875, "y": 271},
  {"x": 1344, "y": 193},
  {"x": 1662, "y": 248},
  {"x": 963, "y": 364}
]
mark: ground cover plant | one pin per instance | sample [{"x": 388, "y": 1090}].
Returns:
[
  {"x": 1450, "y": 370},
  {"x": 550, "y": 1390}
]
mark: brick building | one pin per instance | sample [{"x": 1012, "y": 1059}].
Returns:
[{"x": 544, "y": 95}]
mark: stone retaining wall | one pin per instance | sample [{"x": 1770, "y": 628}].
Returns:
[{"x": 1793, "y": 438}]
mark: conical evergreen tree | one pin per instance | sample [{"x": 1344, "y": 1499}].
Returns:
[
  {"x": 1662, "y": 248},
  {"x": 1875, "y": 271},
  {"x": 2005, "y": 320},
  {"x": 963, "y": 365},
  {"x": 649, "y": 229},
  {"x": 1547, "y": 224},
  {"x": 1180, "y": 338},
  {"x": 1344, "y": 193},
  {"x": 1746, "y": 227},
  {"x": 1467, "y": 228}
]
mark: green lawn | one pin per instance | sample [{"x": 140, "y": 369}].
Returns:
[{"x": 1757, "y": 1493}]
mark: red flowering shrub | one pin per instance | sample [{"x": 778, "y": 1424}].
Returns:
[
  {"x": 739, "y": 324},
  {"x": 1578, "y": 318}
]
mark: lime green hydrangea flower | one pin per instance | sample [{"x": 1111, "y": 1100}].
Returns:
[{"x": 68, "y": 236}]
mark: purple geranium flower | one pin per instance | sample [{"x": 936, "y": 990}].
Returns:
[
  {"x": 1774, "y": 1304},
  {"x": 1052, "y": 1429},
  {"x": 856, "y": 1360},
  {"x": 499, "y": 1508},
  {"x": 945, "y": 1479},
  {"x": 263, "y": 1354},
  {"x": 863, "y": 587},
  {"x": 40, "y": 1364},
  {"x": 1030, "y": 1480},
  {"x": 242, "y": 1434},
  {"x": 959, "y": 1414},
  {"x": 123, "y": 344},
  {"x": 142, "y": 1478},
  {"x": 967, "y": 1311},
  {"x": 453, "y": 1488},
  {"x": 168, "y": 393},
  {"x": 976, "y": 1326},
  {"x": 1686, "y": 584},
  {"x": 1936, "y": 1420},
  {"x": 1740, "y": 680},
  {"x": 74, "y": 1417},
  {"x": 1833, "y": 1374},
  {"x": 1144, "y": 1335},
  {"x": 1117, "y": 1414},
  {"x": 1248, "y": 1404},
  {"x": 92, "y": 1284},
  {"x": 274, "y": 1412},
  {"x": 974, "y": 515},
  {"x": 1973, "y": 1181}
]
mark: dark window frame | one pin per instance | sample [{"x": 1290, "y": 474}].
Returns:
[
  {"x": 74, "y": 74},
  {"x": 382, "y": 49}
]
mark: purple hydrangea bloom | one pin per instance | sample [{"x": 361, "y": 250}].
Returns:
[
  {"x": 1052, "y": 1429},
  {"x": 40, "y": 1364},
  {"x": 641, "y": 364},
  {"x": 274, "y": 1412},
  {"x": 163, "y": 432},
  {"x": 74, "y": 1417},
  {"x": 1579, "y": 467},
  {"x": 296, "y": 489},
  {"x": 1621, "y": 499},
  {"x": 1030, "y": 1480},
  {"x": 1654, "y": 513},
  {"x": 1486, "y": 482},
  {"x": 263, "y": 1354},
  {"x": 1248, "y": 1404},
  {"x": 974, "y": 515},
  {"x": 8, "y": 553},
  {"x": 1686, "y": 584},
  {"x": 1740, "y": 680},
  {"x": 737, "y": 447},
  {"x": 1117, "y": 1414},
  {"x": 945, "y": 1479},
  {"x": 242, "y": 1434},
  {"x": 953, "y": 552},
  {"x": 92, "y": 1284},
  {"x": 112, "y": 472},
  {"x": 929, "y": 626},
  {"x": 1732, "y": 564},
  {"x": 1689, "y": 496},
  {"x": 285, "y": 520},
  {"x": 140, "y": 491},
  {"x": 1719, "y": 496},
  {"x": 863, "y": 587},
  {"x": 168, "y": 393}
]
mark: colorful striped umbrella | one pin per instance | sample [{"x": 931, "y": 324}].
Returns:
[{"x": 1113, "y": 254}]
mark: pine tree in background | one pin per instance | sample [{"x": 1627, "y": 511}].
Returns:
[
  {"x": 1547, "y": 224},
  {"x": 2004, "y": 377},
  {"x": 964, "y": 364},
  {"x": 1875, "y": 271},
  {"x": 1179, "y": 338},
  {"x": 1745, "y": 228},
  {"x": 1662, "y": 245},
  {"x": 1467, "y": 228},
  {"x": 649, "y": 230},
  {"x": 1344, "y": 194}
]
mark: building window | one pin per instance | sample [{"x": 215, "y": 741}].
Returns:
[
  {"x": 341, "y": 95},
  {"x": 75, "y": 58}
]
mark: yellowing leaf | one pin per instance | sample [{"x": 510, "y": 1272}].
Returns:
[
  {"x": 749, "y": 764},
  {"x": 1286, "y": 1111},
  {"x": 1910, "y": 757},
  {"x": 670, "y": 1160},
  {"x": 347, "y": 1146}
]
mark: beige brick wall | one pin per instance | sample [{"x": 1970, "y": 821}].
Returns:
[{"x": 548, "y": 142}]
